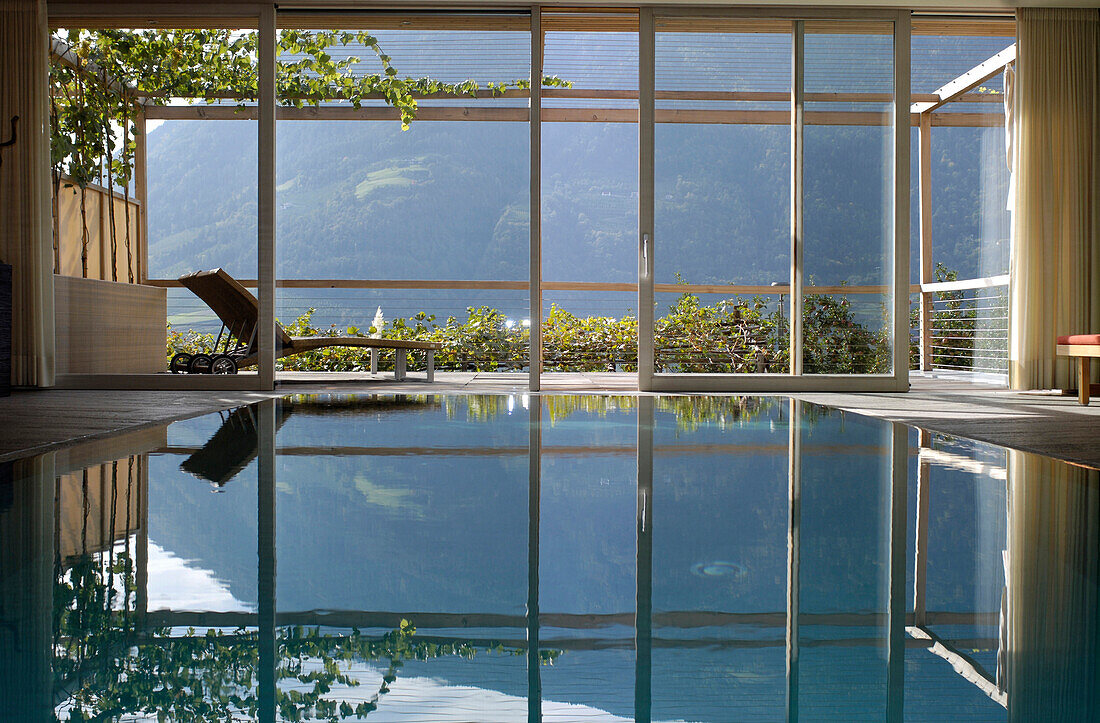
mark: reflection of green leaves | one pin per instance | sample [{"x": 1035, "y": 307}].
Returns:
[{"x": 106, "y": 666}]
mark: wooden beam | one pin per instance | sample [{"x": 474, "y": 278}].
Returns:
[
  {"x": 89, "y": 15},
  {"x": 63, "y": 51},
  {"x": 411, "y": 20},
  {"x": 743, "y": 289},
  {"x": 986, "y": 282},
  {"x": 747, "y": 96},
  {"x": 1000, "y": 26},
  {"x": 969, "y": 80},
  {"x": 569, "y": 115},
  {"x": 925, "y": 200}
]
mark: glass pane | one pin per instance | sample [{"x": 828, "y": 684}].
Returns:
[
  {"x": 722, "y": 195},
  {"x": 429, "y": 224},
  {"x": 848, "y": 207},
  {"x": 590, "y": 192}
]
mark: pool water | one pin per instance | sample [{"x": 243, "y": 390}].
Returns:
[{"x": 556, "y": 558}]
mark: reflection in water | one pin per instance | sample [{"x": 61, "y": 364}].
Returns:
[
  {"x": 719, "y": 568},
  {"x": 555, "y": 558},
  {"x": 1052, "y": 647}
]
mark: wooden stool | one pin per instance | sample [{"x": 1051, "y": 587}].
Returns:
[{"x": 1085, "y": 347}]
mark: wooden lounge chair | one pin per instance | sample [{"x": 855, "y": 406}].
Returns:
[
  {"x": 1085, "y": 347},
  {"x": 240, "y": 314}
]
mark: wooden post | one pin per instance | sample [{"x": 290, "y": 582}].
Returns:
[
  {"x": 925, "y": 174},
  {"x": 141, "y": 190},
  {"x": 798, "y": 65},
  {"x": 104, "y": 245}
]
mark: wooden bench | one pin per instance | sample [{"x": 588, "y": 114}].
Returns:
[{"x": 1085, "y": 347}]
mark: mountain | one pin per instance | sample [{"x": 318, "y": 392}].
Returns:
[{"x": 449, "y": 200}]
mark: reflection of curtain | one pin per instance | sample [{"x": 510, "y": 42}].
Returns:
[
  {"x": 1055, "y": 286},
  {"x": 25, "y": 215},
  {"x": 26, "y": 589},
  {"x": 1053, "y": 660}
]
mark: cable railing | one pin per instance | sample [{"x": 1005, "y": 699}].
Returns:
[{"x": 964, "y": 326}]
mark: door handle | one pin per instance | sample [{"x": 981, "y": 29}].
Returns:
[{"x": 645, "y": 255}]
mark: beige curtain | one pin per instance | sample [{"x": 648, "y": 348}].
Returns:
[
  {"x": 1052, "y": 656},
  {"x": 25, "y": 220},
  {"x": 1055, "y": 285}
]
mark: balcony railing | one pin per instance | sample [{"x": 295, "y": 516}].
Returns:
[{"x": 963, "y": 326}]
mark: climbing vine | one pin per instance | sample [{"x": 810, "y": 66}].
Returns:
[{"x": 99, "y": 80}]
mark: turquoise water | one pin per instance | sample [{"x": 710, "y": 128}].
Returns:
[{"x": 572, "y": 558}]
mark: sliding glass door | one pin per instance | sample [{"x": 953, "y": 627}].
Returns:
[{"x": 773, "y": 232}]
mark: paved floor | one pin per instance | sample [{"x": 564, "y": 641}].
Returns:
[{"x": 33, "y": 422}]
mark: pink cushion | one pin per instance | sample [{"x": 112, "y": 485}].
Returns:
[{"x": 1080, "y": 339}]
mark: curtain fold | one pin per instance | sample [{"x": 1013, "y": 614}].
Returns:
[
  {"x": 1055, "y": 286},
  {"x": 25, "y": 220}
]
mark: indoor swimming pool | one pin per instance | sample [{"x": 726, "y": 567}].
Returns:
[{"x": 555, "y": 558}]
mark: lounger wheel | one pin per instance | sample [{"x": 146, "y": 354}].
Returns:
[
  {"x": 180, "y": 364},
  {"x": 201, "y": 364},
  {"x": 223, "y": 364}
]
